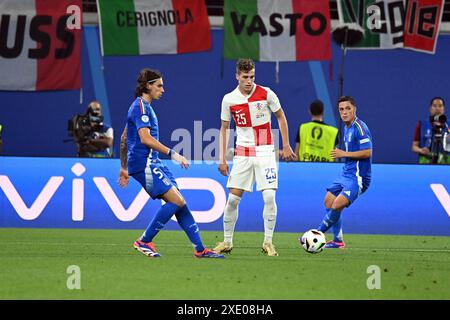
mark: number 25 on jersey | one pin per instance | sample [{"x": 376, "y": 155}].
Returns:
[{"x": 240, "y": 119}]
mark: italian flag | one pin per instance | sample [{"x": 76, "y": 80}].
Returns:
[
  {"x": 135, "y": 27},
  {"x": 282, "y": 30},
  {"x": 37, "y": 50}
]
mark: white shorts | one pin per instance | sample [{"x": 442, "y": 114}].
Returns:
[{"x": 262, "y": 168}]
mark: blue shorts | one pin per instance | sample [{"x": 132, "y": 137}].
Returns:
[
  {"x": 156, "y": 180},
  {"x": 349, "y": 188}
]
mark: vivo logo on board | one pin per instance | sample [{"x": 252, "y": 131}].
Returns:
[{"x": 109, "y": 195}]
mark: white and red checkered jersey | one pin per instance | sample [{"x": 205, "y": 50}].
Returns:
[{"x": 251, "y": 114}]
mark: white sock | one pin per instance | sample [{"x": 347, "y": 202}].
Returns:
[
  {"x": 269, "y": 214},
  {"x": 230, "y": 215}
]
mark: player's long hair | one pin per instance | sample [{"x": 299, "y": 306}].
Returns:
[{"x": 145, "y": 76}]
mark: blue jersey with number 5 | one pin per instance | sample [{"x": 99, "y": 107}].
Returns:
[{"x": 140, "y": 115}]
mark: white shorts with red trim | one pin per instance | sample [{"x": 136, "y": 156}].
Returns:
[{"x": 252, "y": 164}]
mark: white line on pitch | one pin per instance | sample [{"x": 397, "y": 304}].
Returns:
[{"x": 400, "y": 249}]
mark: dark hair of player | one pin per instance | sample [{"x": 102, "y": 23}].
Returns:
[
  {"x": 146, "y": 76},
  {"x": 244, "y": 65},
  {"x": 347, "y": 98}
]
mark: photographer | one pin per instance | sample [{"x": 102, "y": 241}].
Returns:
[
  {"x": 430, "y": 133},
  {"x": 94, "y": 139}
]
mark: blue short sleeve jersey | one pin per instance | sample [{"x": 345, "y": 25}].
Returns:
[
  {"x": 356, "y": 173},
  {"x": 358, "y": 137},
  {"x": 140, "y": 115}
]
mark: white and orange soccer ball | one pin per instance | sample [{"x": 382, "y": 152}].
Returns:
[{"x": 313, "y": 241}]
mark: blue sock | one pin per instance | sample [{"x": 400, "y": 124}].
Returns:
[
  {"x": 188, "y": 224},
  {"x": 159, "y": 221},
  {"x": 330, "y": 219},
  {"x": 337, "y": 231}
]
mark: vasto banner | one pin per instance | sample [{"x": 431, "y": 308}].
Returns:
[
  {"x": 282, "y": 30},
  {"x": 83, "y": 193},
  {"x": 40, "y": 44}
]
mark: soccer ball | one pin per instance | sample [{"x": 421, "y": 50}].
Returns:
[{"x": 313, "y": 241}]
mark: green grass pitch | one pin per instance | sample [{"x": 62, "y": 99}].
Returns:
[{"x": 34, "y": 262}]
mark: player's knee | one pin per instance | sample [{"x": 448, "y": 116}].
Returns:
[
  {"x": 233, "y": 200},
  {"x": 340, "y": 203},
  {"x": 269, "y": 200},
  {"x": 329, "y": 199},
  {"x": 179, "y": 201},
  {"x": 339, "y": 206}
]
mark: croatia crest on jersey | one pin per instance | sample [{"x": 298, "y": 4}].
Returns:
[{"x": 259, "y": 110}]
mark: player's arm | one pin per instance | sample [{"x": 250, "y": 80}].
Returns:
[
  {"x": 124, "y": 178},
  {"x": 364, "y": 142},
  {"x": 297, "y": 148},
  {"x": 152, "y": 143},
  {"x": 361, "y": 154},
  {"x": 287, "y": 152},
  {"x": 224, "y": 136},
  {"x": 225, "y": 117},
  {"x": 123, "y": 149},
  {"x": 297, "y": 144}
]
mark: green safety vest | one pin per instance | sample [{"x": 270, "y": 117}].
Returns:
[{"x": 316, "y": 142}]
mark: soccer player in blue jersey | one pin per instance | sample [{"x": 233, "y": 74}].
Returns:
[
  {"x": 139, "y": 149},
  {"x": 356, "y": 174}
]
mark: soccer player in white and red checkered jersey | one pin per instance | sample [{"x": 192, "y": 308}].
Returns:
[{"x": 251, "y": 107}]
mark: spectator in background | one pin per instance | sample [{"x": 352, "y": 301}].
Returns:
[
  {"x": 428, "y": 135},
  {"x": 315, "y": 140},
  {"x": 99, "y": 139}
]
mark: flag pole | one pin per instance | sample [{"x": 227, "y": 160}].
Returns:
[
  {"x": 346, "y": 35},
  {"x": 277, "y": 71}
]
